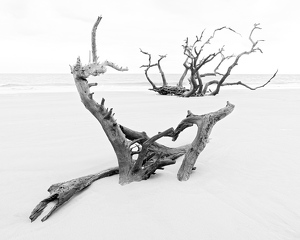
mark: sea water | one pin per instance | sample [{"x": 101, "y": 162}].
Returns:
[{"x": 30, "y": 83}]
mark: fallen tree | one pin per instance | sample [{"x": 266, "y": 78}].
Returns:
[
  {"x": 195, "y": 60},
  {"x": 138, "y": 155}
]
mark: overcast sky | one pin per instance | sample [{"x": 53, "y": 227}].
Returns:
[{"x": 45, "y": 36}]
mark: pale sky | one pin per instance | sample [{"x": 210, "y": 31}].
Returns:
[{"x": 45, "y": 36}]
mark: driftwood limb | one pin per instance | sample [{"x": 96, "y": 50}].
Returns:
[
  {"x": 150, "y": 65},
  {"x": 251, "y": 88},
  {"x": 164, "y": 80},
  {"x": 205, "y": 124},
  {"x": 213, "y": 35},
  {"x": 180, "y": 82},
  {"x": 94, "y": 45},
  {"x": 63, "y": 192}
]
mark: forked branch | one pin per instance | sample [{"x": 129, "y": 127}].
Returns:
[
  {"x": 205, "y": 124},
  {"x": 150, "y": 65}
]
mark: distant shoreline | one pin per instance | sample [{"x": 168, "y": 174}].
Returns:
[{"x": 22, "y": 83}]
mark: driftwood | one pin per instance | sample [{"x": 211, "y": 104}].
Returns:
[
  {"x": 138, "y": 155},
  {"x": 205, "y": 124},
  {"x": 194, "y": 63},
  {"x": 63, "y": 192}
]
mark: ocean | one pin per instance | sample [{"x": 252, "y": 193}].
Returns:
[{"x": 31, "y": 83}]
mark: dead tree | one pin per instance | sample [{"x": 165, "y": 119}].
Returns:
[
  {"x": 138, "y": 155},
  {"x": 195, "y": 60}
]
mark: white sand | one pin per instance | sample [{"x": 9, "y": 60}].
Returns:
[{"x": 246, "y": 186}]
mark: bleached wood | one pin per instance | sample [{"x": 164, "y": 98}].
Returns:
[
  {"x": 205, "y": 125},
  {"x": 60, "y": 193}
]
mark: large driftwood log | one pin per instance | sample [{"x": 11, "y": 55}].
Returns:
[{"x": 128, "y": 143}]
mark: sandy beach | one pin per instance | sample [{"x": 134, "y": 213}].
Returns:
[{"x": 246, "y": 185}]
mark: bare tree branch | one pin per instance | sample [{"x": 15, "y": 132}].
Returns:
[
  {"x": 216, "y": 72},
  {"x": 213, "y": 35},
  {"x": 161, "y": 71},
  {"x": 114, "y": 66},
  {"x": 153, "y": 65},
  {"x": 237, "y": 58},
  {"x": 180, "y": 82},
  {"x": 148, "y": 67},
  {"x": 247, "y": 86},
  {"x": 94, "y": 46},
  {"x": 254, "y": 43}
]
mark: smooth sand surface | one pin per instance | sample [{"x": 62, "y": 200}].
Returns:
[{"x": 246, "y": 186}]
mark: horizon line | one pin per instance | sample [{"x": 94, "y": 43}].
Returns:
[{"x": 118, "y": 73}]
